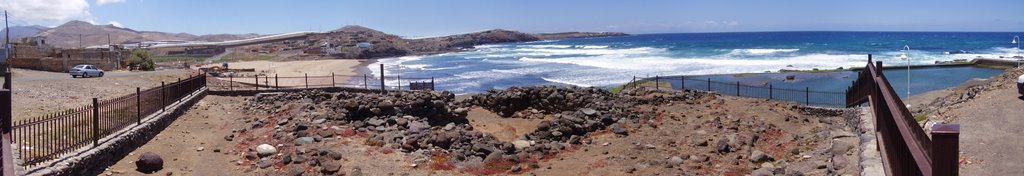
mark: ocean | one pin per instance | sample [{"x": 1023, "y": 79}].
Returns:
[{"x": 612, "y": 61}]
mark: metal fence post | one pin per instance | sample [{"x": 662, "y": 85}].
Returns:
[
  {"x": 382, "y": 90},
  {"x": 945, "y": 149},
  {"x": 95, "y": 122},
  {"x": 807, "y": 95},
  {"x": 138, "y": 104},
  {"x": 737, "y": 88},
  {"x": 634, "y": 82},
  {"x": 163, "y": 96},
  {"x": 657, "y": 82}
]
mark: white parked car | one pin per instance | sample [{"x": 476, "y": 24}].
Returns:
[
  {"x": 85, "y": 70},
  {"x": 1020, "y": 84}
]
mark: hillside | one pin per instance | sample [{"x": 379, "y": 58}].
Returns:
[
  {"x": 21, "y": 31},
  {"x": 345, "y": 40},
  {"x": 69, "y": 34}
]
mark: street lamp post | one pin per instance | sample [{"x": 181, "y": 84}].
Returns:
[
  {"x": 1016, "y": 40},
  {"x": 906, "y": 48}
]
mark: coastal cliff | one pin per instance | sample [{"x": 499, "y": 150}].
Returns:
[{"x": 344, "y": 42}]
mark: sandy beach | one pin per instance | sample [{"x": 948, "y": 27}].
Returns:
[{"x": 293, "y": 73}]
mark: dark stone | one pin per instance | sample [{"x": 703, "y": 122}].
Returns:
[
  {"x": 149, "y": 162},
  {"x": 620, "y": 131},
  {"x": 330, "y": 167},
  {"x": 723, "y": 146},
  {"x": 287, "y": 159},
  {"x": 265, "y": 163}
]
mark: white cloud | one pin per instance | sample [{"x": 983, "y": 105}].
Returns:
[
  {"x": 47, "y": 12},
  {"x": 118, "y": 24},
  {"x": 102, "y": 2}
]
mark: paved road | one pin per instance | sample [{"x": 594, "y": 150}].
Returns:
[{"x": 992, "y": 133}]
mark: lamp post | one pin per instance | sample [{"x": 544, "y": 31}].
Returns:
[
  {"x": 1016, "y": 40},
  {"x": 906, "y": 48}
]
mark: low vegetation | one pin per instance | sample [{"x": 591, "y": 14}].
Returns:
[{"x": 140, "y": 60}]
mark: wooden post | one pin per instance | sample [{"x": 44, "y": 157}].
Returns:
[
  {"x": 737, "y": 88},
  {"x": 231, "y": 82},
  {"x": 399, "y": 77},
  {"x": 432, "y": 83},
  {"x": 366, "y": 82},
  {"x": 277, "y": 85},
  {"x": 382, "y": 90},
  {"x": 95, "y": 122},
  {"x": 945, "y": 149},
  {"x": 770, "y": 90},
  {"x": 305, "y": 78},
  {"x": 333, "y": 83},
  {"x": 682, "y": 82},
  {"x": 709, "y": 84},
  {"x": 257, "y": 82}
]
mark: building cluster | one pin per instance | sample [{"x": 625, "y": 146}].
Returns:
[{"x": 34, "y": 53}]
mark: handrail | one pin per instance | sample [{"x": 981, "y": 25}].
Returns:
[{"x": 906, "y": 149}]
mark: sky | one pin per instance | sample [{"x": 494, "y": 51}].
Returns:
[{"x": 420, "y": 18}]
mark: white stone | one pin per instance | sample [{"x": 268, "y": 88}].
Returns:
[
  {"x": 265, "y": 150},
  {"x": 520, "y": 144}
]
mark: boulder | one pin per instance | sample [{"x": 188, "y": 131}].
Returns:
[
  {"x": 265, "y": 150},
  {"x": 149, "y": 162},
  {"x": 758, "y": 156}
]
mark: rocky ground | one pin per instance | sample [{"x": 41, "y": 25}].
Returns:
[{"x": 530, "y": 130}]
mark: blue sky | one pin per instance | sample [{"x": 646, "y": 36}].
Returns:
[{"x": 429, "y": 18}]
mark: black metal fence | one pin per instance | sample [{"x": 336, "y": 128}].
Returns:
[
  {"x": 46, "y": 137},
  {"x": 805, "y": 96},
  {"x": 275, "y": 82}
]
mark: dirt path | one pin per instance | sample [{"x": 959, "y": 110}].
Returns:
[
  {"x": 991, "y": 136},
  {"x": 203, "y": 126}
]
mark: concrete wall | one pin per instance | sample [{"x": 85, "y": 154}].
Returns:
[{"x": 56, "y": 60}]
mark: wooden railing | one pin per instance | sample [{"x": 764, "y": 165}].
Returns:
[{"x": 906, "y": 149}]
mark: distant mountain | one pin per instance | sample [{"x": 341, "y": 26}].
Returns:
[
  {"x": 69, "y": 34},
  {"x": 21, "y": 31}
]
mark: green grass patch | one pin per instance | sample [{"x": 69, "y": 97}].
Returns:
[
  {"x": 811, "y": 71},
  {"x": 630, "y": 84},
  {"x": 922, "y": 116},
  {"x": 159, "y": 59},
  {"x": 640, "y": 83}
]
